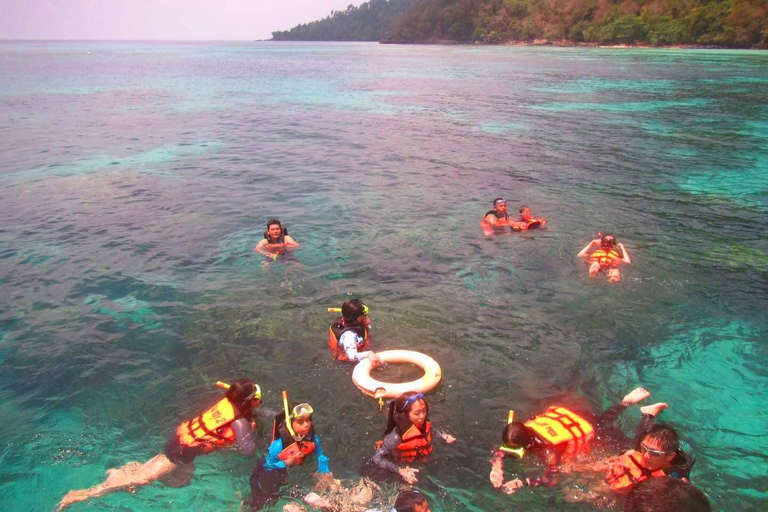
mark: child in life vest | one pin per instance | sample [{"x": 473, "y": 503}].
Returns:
[
  {"x": 227, "y": 423},
  {"x": 606, "y": 258},
  {"x": 557, "y": 436},
  {"x": 408, "y": 436},
  {"x": 349, "y": 336},
  {"x": 293, "y": 441}
]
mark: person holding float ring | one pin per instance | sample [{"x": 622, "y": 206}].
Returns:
[
  {"x": 229, "y": 422},
  {"x": 349, "y": 337},
  {"x": 276, "y": 241},
  {"x": 408, "y": 437},
  {"x": 293, "y": 440},
  {"x": 558, "y": 436},
  {"x": 606, "y": 258},
  {"x": 495, "y": 218}
]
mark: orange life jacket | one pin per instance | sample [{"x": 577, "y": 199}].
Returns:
[
  {"x": 212, "y": 429},
  {"x": 610, "y": 258},
  {"x": 416, "y": 444},
  {"x": 334, "y": 335},
  {"x": 629, "y": 472},
  {"x": 559, "y": 426}
]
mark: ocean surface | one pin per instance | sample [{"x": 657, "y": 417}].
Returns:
[{"x": 136, "y": 178}]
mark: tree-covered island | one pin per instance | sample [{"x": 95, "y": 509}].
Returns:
[{"x": 724, "y": 23}]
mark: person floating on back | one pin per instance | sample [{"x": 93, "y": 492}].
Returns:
[
  {"x": 606, "y": 258},
  {"x": 527, "y": 220},
  {"x": 276, "y": 241},
  {"x": 349, "y": 336},
  {"x": 227, "y": 423}
]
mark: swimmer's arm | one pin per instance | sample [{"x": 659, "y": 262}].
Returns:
[
  {"x": 323, "y": 461},
  {"x": 273, "y": 457},
  {"x": 244, "y": 436},
  {"x": 262, "y": 413},
  {"x": 625, "y": 254},
  {"x": 260, "y": 248},
  {"x": 348, "y": 342},
  {"x": 585, "y": 250},
  {"x": 383, "y": 457},
  {"x": 490, "y": 219},
  {"x": 290, "y": 243},
  {"x": 497, "y": 469},
  {"x": 445, "y": 436}
]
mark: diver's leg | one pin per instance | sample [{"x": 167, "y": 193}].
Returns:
[
  {"x": 614, "y": 275},
  {"x": 594, "y": 268}
]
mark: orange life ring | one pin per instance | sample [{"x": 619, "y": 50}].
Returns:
[{"x": 361, "y": 375}]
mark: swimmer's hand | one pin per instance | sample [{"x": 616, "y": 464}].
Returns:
[
  {"x": 497, "y": 477},
  {"x": 408, "y": 474},
  {"x": 325, "y": 482},
  {"x": 635, "y": 396},
  {"x": 294, "y": 459},
  {"x": 511, "y": 486},
  {"x": 448, "y": 438},
  {"x": 654, "y": 410},
  {"x": 375, "y": 360}
]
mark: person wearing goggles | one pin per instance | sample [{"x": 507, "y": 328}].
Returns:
[
  {"x": 605, "y": 255},
  {"x": 658, "y": 454},
  {"x": 495, "y": 218},
  {"x": 557, "y": 436},
  {"x": 293, "y": 441},
  {"x": 408, "y": 438},
  {"x": 527, "y": 220},
  {"x": 228, "y": 423},
  {"x": 349, "y": 336}
]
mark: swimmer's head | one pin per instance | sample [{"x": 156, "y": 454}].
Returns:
[
  {"x": 525, "y": 210},
  {"x": 411, "y": 500},
  {"x": 516, "y": 436},
  {"x": 242, "y": 393},
  {"x": 352, "y": 309},
  {"x": 274, "y": 228},
  {"x": 499, "y": 203},
  {"x": 608, "y": 241}
]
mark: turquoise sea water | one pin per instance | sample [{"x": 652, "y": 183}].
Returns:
[{"x": 135, "y": 179}]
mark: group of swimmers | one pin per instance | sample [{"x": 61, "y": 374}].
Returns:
[
  {"x": 603, "y": 253},
  {"x": 651, "y": 471}
]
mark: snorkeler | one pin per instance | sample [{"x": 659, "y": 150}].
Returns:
[
  {"x": 408, "y": 436},
  {"x": 607, "y": 257},
  {"x": 293, "y": 440},
  {"x": 227, "y": 423},
  {"x": 527, "y": 220},
  {"x": 556, "y": 436},
  {"x": 276, "y": 241},
  {"x": 495, "y": 218},
  {"x": 349, "y": 336},
  {"x": 658, "y": 455}
]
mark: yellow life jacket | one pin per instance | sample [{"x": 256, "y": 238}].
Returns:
[{"x": 559, "y": 425}]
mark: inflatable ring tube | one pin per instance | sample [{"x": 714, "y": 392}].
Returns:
[{"x": 361, "y": 375}]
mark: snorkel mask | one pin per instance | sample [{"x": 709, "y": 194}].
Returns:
[
  {"x": 518, "y": 451},
  {"x": 299, "y": 411},
  {"x": 256, "y": 389},
  {"x": 366, "y": 311}
]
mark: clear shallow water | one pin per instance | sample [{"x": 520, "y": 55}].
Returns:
[{"x": 135, "y": 179}]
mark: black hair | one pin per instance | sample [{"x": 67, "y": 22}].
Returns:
[
  {"x": 398, "y": 412},
  {"x": 608, "y": 239},
  {"x": 666, "y": 494},
  {"x": 240, "y": 393},
  {"x": 352, "y": 309},
  {"x": 498, "y": 199},
  {"x": 407, "y": 500},
  {"x": 273, "y": 221},
  {"x": 516, "y": 434},
  {"x": 665, "y": 436},
  {"x": 524, "y": 207}
]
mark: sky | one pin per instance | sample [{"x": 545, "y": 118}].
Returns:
[{"x": 178, "y": 20}]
